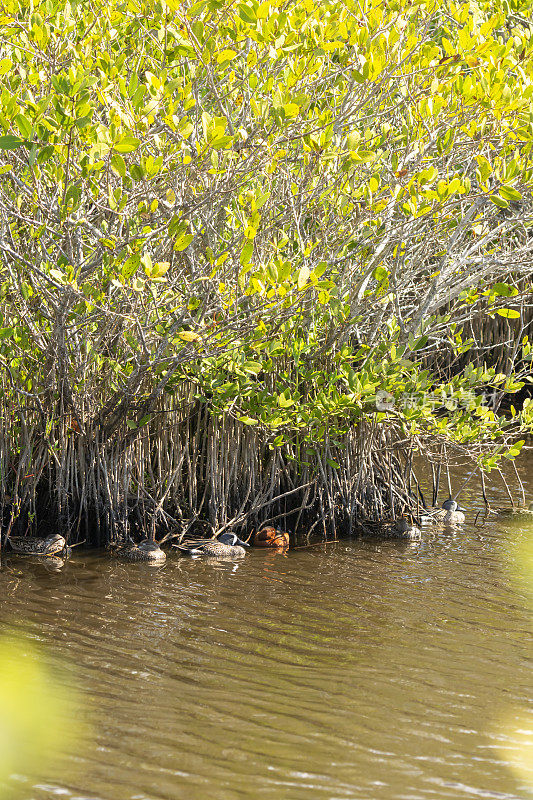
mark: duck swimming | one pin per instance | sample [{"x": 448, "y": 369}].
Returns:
[
  {"x": 400, "y": 529},
  {"x": 226, "y": 544},
  {"x": 450, "y": 513},
  {"x": 268, "y": 536},
  {"x": 519, "y": 510},
  {"x": 30, "y": 546},
  {"x": 147, "y": 550}
]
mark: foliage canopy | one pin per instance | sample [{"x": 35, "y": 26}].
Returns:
[{"x": 260, "y": 217}]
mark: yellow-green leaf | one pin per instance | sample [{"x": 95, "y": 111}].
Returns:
[
  {"x": 183, "y": 242},
  {"x": 508, "y": 313},
  {"x": 246, "y": 253},
  {"x": 160, "y": 269},
  {"x": 291, "y": 110},
  {"x": 499, "y": 201},
  {"x": 509, "y": 193},
  {"x": 225, "y": 55},
  {"x": 127, "y": 145},
  {"x": 303, "y": 277},
  {"x": 24, "y": 125}
]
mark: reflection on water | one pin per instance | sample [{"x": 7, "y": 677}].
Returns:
[
  {"x": 39, "y": 710},
  {"x": 359, "y": 669}
]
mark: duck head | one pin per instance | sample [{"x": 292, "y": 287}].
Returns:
[
  {"x": 231, "y": 539},
  {"x": 55, "y": 543},
  {"x": 268, "y": 536},
  {"x": 55, "y": 538},
  {"x": 451, "y": 505},
  {"x": 149, "y": 545}
]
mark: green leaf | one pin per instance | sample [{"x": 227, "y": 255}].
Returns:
[
  {"x": 247, "y": 420},
  {"x": 380, "y": 273},
  {"x": 509, "y": 193},
  {"x": 515, "y": 449},
  {"x": 252, "y": 367},
  {"x": 83, "y": 122},
  {"x": 221, "y": 142},
  {"x": 32, "y": 155},
  {"x": 365, "y": 156},
  {"x": 508, "y": 313},
  {"x": 499, "y": 201},
  {"x": 10, "y": 142},
  {"x": 246, "y": 253},
  {"x": 127, "y": 145},
  {"x": 419, "y": 344},
  {"x": 504, "y": 290},
  {"x": 130, "y": 266},
  {"x": 183, "y": 242},
  {"x": 118, "y": 165},
  {"x": 24, "y": 125},
  {"x": 137, "y": 172},
  {"x": 45, "y": 153},
  {"x": 247, "y": 14},
  {"x": 285, "y": 400}
]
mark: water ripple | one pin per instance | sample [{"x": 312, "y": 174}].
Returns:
[{"x": 359, "y": 670}]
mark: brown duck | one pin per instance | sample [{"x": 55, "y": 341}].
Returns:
[
  {"x": 31, "y": 546},
  {"x": 268, "y": 536},
  {"x": 147, "y": 550}
]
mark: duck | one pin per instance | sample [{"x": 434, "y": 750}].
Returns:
[
  {"x": 518, "y": 510},
  {"x": 268, "y": 536},
  {"x": 402, "y": 528},
  {"x": 147, "y": 550},
  {"x": 225, "y": 544},
  {"x": 31, "y": 546},
  {"x": 450, "y": 512}
]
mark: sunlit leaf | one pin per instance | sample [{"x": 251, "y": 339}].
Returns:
[
  {"x": 10, "y": 142},
  {"x": 303, "y": 276},
  {"x": 508, "y": 313},
  {"x": 127, "y": 145}
]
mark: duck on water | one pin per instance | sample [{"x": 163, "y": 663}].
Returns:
[
  {"x": 402, "y": 528},
  {"x": 269, "y": 536},
  {"x": 147, "y": 550},
  {"x": 52, "y": 545},
  {"x": 450, "y": 513},
  {"x": 225, "y": 544},
  {"x": 518, "y": 510}
]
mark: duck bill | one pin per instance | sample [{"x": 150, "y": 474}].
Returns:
[{"x": 242, "y": 544}]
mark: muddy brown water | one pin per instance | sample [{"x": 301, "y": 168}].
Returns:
[{"x": 360, "y": 669}]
